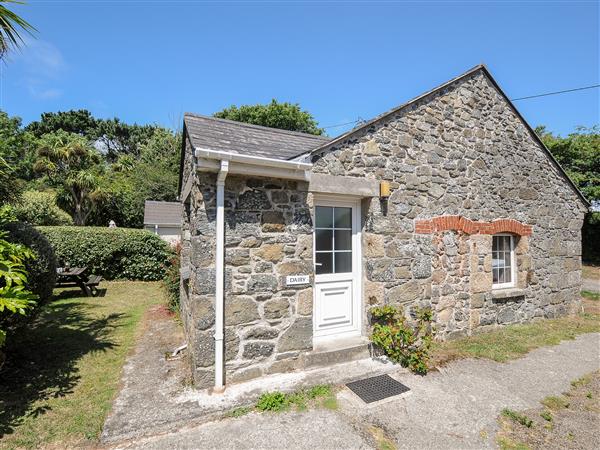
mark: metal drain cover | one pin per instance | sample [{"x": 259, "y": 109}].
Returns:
[{"x": 377, "y": 388}]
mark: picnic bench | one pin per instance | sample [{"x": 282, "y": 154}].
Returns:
[{"x": 76, "y": 276}]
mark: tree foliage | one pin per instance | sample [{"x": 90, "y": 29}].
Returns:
[
  {"x": 40, "y": 208},
  {"x": 285, "y": 116},
  {"x": 17, "y": 146},
  {"x": 71, "y": 165},
  {"x": 579, "y": 155},
  {"x": 111, "y": 136}
]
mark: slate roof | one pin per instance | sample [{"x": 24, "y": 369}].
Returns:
[
  {"x": 246, "y": 139},
  {"x": 162, "y": 213}
]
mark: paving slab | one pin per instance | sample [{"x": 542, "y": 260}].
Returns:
[{"x": 316, "y": 430}]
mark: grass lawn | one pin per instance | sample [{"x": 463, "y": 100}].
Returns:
[
  {"x": 515, "y": 341},
  {"x": 63, "y": 371}
]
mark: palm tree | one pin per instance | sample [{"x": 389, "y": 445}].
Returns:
[
  {"x": 71, "y": 165},
  {"x": 9, "y": 24}
]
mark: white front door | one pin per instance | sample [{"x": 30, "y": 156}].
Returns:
[{"x": 337, "y": 268}]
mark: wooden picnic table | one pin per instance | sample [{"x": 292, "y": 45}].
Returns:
[{"x": 76, "y": 276}]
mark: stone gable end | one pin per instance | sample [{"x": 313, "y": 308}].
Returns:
[{"x": 463, "y": 166}]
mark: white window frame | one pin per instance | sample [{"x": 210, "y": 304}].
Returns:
[{"x": 513, "y": 264}]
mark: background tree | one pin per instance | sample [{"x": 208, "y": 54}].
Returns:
[
  {"x": 10, "y": 23},
  {"x": 110, "y": 136},
  {"x": 152, "y": 175},
  {"x": 79, "y": 121},
  {"x": 579, "y": 155},
  {"x": 17, "y": 146},
  {"x": 71, "y": 165},
  {"x": 285, "y": 116}
]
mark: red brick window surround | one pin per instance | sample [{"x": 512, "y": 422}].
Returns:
[{"x": 460, "y": 223}]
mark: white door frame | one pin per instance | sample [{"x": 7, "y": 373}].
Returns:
[{"x": 356, "y": 275}]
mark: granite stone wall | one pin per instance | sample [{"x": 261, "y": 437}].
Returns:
[
  {"x": 268, "y": 236},
  {"x": 462, "y": 152},
  {"x": 461, "y": 166}
]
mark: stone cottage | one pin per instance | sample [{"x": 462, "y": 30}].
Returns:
[{"x": 449, "y": 201}]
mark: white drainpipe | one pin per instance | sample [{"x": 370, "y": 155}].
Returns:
[{"x": 220, "y": 279}]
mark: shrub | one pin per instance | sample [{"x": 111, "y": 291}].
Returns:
[
  {"x": 14, "y": 297},
  {"x": 40, "y": 208},
  {"x": 272, "y": 401},
  {"x": 278, "y": 401},
  {"x": 41, "y": 269},
  {"x": 113, "y": 253},
  {"x": 171, "y": 280},
  {"x": 402, "y": 343}
]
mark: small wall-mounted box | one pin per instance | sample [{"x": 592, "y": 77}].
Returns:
[{"x": 384, "y": 189}]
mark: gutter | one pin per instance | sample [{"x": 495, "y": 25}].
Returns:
[
  {"x": 207, "y": 161},
  {"x": 225, "y": 163}
]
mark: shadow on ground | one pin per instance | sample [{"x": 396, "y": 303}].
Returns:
[{"x": 41, "y": 358}]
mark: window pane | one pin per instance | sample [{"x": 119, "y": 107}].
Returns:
[
  {"x": 495, "y": 241},
  {"x": 343, "y": 239},
  {"x": 323, "y": 240},
  {"x": 324, "y": 263},
  {"x": 495, "y": 276},
  {"x": 496, "y": 261},
  {"x": 507, "y": 259},
  {"x": 343, "y": 217},
  {"x": 343, "y": 262},
  {"x": 324, "y": 217}
]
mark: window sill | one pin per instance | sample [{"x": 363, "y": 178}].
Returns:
[{"x": 505, "y": 293}]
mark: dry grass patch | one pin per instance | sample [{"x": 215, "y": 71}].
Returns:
[
  {"x": 515, "y": 341},
  {"x": 64, "y": 370},
  {"x": 570, "y": 420},
  {"x": 591, "y": 272}
]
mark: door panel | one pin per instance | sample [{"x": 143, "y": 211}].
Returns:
[
  {"x": 337, "y": 268},
  {"x": 334, "y": 305}
]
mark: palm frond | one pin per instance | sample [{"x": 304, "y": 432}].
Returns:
[{"x": 9, "y": 25}]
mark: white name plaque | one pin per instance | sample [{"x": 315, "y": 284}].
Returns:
[{"x": 292, "y": 280}]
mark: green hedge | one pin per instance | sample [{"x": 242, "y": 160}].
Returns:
[{"x": 113, "y": 253}]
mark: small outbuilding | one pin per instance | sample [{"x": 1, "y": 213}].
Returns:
[
  {"x": 163, "y": 219},
  {"x": 449, "y": 201}
]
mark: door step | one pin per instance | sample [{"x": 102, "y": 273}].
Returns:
[{"x": 326, "y": 354}]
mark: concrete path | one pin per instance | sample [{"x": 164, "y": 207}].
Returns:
[
  {"x": 591, "y": 285},
  {"x": 452, "y": 409},
  {"x": 156, "y": 396}
]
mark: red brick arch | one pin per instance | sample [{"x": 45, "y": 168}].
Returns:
[{"x": 460, "y": 223}]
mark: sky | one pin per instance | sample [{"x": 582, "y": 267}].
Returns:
[{"x": 151, "y": 61}]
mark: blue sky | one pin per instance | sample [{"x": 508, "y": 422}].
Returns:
[{"x": 150, "y": 61}]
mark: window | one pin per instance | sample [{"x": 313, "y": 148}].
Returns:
[
  {"x": 503, "y": 261},
  {"x": 333, "y": 239}
]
